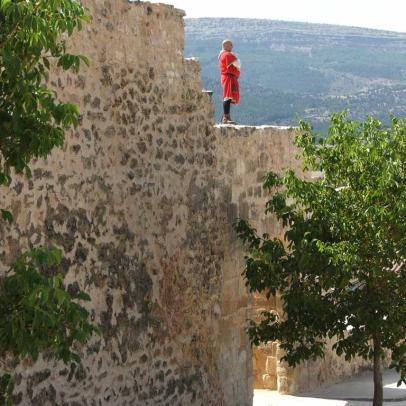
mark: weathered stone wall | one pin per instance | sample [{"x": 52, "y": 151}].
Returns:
[
  {"x": 244, "y": 155},
  {"x": 314, "y": 374},
  {"x": 132, "y": 199}
]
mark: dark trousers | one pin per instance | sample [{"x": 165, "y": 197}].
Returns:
[{"x": 227, "y": 107}]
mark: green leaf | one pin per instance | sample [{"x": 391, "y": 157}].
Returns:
[
  {"x": 7, "y": 216},
  {"x": 83, "y": 296}
]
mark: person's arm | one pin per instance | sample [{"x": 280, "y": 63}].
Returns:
[
  {"x": 237, "y": 64},
  {"x": 232, "y": 64}
]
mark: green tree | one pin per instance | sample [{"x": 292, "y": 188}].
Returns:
[
  {"x": 340, "y": 269},
  {"x": 32, "y": 36},
  {"x": 36, "y": 311}
]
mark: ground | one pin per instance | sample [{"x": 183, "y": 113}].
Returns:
[{"x": 357, "y": 391}]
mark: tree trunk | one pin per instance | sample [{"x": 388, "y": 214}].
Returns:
[{"x": 378, "y": 387}]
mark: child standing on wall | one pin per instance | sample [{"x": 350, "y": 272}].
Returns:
[{"x": 230, "y": 72}]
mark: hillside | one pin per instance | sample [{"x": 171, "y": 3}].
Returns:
[{"x": 300, "y": 70}]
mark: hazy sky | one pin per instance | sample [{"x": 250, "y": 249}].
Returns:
[{"x": 381, "y": 14}]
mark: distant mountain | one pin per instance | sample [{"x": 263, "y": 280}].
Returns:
[{"x": 300, "y": 70}]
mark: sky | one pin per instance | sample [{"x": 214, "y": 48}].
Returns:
[{"x": 379, "y": 14}]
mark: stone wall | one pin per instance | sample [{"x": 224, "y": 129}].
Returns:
[
  {"x": 245, "y": 154},
  {"x": 141, "y": 199},
  {"x": 132, "y": 199}
]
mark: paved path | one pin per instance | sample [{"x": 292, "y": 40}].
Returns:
[
  {"x": 357, "y": 391},
  {"x": 271, "y": 398}
]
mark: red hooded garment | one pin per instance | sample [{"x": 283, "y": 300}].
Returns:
[{"x": 229, "y": 77}]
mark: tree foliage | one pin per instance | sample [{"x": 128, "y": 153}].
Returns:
[
  {"x": 42, "y": 314},
  {"x": 340, "y": 269},
  {"x": 32, "y": 40},
  {"x": 37, "y": 313}
]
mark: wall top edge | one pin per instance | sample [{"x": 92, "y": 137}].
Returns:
[
  {"x": 178, "y": 11},
  {"x": 240, "y": 127}
]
